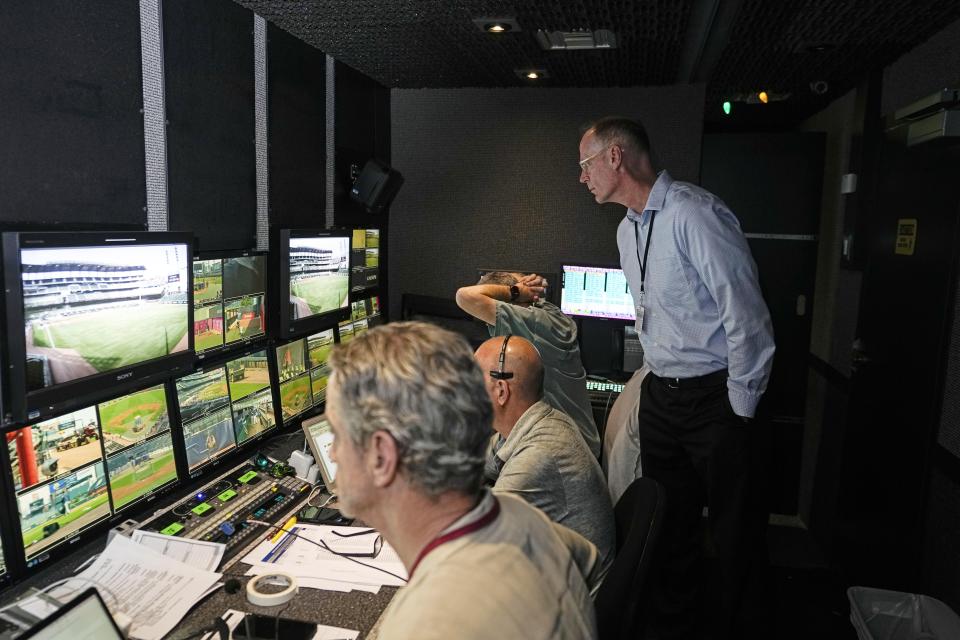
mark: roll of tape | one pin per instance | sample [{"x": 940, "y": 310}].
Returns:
[{"x": 262, "y": 599}]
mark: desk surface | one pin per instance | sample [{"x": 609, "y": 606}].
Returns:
[{"x": 355, "y": 610}]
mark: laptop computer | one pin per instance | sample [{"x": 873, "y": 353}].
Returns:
[
  {"x": 320, "y": 438},
  {"x": 84, "y": 618}
]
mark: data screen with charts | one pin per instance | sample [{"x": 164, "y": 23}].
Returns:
[{"x": 596, "y": 292}]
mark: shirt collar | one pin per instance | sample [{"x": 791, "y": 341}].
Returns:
[
  {"x": 524, "y": 425},
  {"x": 483, "y": 508},
  {"x": 655, "y": 200}
]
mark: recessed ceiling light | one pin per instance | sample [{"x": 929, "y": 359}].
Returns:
[
  {"x": 531, "y": 74},
  {"x": 497, "y": 25}
]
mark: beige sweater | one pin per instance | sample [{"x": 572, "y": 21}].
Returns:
[{"x": 521, "y": 576}]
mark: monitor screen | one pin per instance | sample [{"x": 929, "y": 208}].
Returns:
[
  {"x": 596, "y": 292},
  {"x": 59, "y": 478},
  {"x": 250, "y": 395},
  {"x": 83, "y": 618},
  {"x": 320, "y": 345},
  {"x": 319, "y": 272},
  {"x": 321, "y": 440},
  {"x": 139, "y": 447},
  {"x": 93, "y": 310},
  {"x": 304, "y": 372},
  {"x": 204, "y": 401},
  {"x": 345, "y": 331},
  {"x": 365, "y": 269},
  {"x": 229, "y": 297}
]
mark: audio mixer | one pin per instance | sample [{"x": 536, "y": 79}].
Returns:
[{"x": 219, "y": 512}]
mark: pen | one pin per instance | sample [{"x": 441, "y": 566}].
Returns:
[{"x": 286, "y": 526}]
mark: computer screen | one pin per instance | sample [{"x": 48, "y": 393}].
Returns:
[
  {"x": 250, "y": 395},
  {"x": 320, "y": 439},
  {"x": 83, "y": 618},
  {"x": 139, "y": 447},
  {"x": 204, "y": 401},
  {"x": 59, "y": 478},
  {"x": 319, "y": 275},
  {"x": 365, "y": 246},
  {"x": 319, "y": 346},
  {"x": 93, "y": 309},
  {"x": 229, "y": 297},
  {"x": 345, "y": 331},
  {"x": 596, "y": 292},
  {"x": 295, "y": 393}
]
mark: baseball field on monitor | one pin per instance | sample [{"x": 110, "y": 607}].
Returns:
[{"x": 316, "y": 276}]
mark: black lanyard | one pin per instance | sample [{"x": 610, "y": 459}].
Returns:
[{"x": 646, "y": 248}]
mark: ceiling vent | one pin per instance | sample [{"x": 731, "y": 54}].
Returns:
[{"x": 576, "y": 40}]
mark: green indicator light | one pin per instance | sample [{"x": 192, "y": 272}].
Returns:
[
  {"x": 247, "y": 477},
  {"x": 172, "y": 530},
  {"x": 727, "y": 107},
  {"x": 227, "y": 495},
  {"x": 201, "y": 508}
]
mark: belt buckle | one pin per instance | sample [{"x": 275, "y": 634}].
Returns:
[{"x": 673, "y": 383}]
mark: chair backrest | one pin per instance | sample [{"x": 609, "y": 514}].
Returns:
[{"x": 639, "y": 519}]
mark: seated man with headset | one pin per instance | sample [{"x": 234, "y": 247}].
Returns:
[{"x": 411, "y": 419}]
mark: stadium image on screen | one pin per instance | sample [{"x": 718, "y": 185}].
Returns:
[
  {"x": 373, "y": 238},
  {"x": 54, "y": 511},
  {"x": 208, "y": 327},
  {"x": 253, "y": 415},
  {"x": 244, "y": 276},
  {"x": 345, "y": 329},
  {"x": 140, "y": 470},
  {"x": 54, "y": 447},
  {"x": 248, "y": 374},
  {"x": 359, "y": 326},
  {"x": 596, "y": 292},
  {"x": 291, "y": 359},
  {"x": 132, "y": 418},
  {"x": 295, "y": 397},
  {"x": 372, "y": 258},
  {"x": 319, "y": 275},
  {"x": 208, "y": 437},
  {"x": 319, "y": 346},
  {"x": 318, "y": 384},
  {"x": 243, "y": 318},
  {"x": 202, "y": 393},
  {"x": 358, "y": 239},
  {"x": 88, "y": 310},
  {"x": 207, "y": 281}
]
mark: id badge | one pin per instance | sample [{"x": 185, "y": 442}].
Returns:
[{"x": 638, "y": 325}]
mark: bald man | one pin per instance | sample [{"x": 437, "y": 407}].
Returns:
[
  {"x": 510, "y": 303},
  {"x": 537, "y": 452}
]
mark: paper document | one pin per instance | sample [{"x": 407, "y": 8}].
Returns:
[
  {"x": 305, "y": 556},
  {"x": 233, "y": 617},
  {"x": 155, "y": 592},
  {"x": 199, "y": 554}
]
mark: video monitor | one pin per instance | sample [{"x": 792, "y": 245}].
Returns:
[
  {"x": 345, "y": 331},
  {"x": 315, "y": 282},
  {"x": 93, "y": 309},
  {"x": 596, "y": 292},
  {"x": 250, "y": 395},
  {"x": 319, "y": 346},
  {"x": 206, "y": 416},
  {"x": 138, "y": 444},
  {"x": 304, "y": 373},
  {"x": 320, "y": 438},
  {"x": 367, "y": 309},
  {"x": 58, "y": 478},
  {"x": 365, "y": 259},
  {"x": 229, "y": 298}
]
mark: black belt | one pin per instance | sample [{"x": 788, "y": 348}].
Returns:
[{"x": 714, "y": 379}]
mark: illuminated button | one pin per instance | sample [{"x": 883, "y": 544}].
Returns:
[
  {"x": 227, "y": 528},
  {"x": 172, "y": 530},
  {"x": 227, "y": 495},
  {"x": 247, "y": 477},
  {"x": 202, "y": 509}
]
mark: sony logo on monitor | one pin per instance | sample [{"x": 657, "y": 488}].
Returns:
[{"x": 124, "y": 376}]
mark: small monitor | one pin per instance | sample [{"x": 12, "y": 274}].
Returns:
[
  {"x": 250, "y": 395},
  {"x": 139, "y": 446},
  {"x": 596, "y": 292},
  {"x": 365, "y": 259},
  {"x": 205, "y": 413},
  {"x": 315, "y": 282},
  {"x": 93, "y": 310},
  {"x": 320, "y": 438},
  {"x": 84, "y": 618},
  {"x": 296, "y": 395},
  {"x": 229, "y": 298}
]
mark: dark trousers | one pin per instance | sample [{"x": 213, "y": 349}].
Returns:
[{"x": 702, "y": 453}]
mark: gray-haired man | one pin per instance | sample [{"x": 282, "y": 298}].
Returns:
[
  {"x": 510, "y": 304},
  {"x": 411, "y": 419}
]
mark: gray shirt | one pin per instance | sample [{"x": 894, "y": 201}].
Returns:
[
  {"x": 564, "y": 378},
  {"x": 544, "y": 462},
  {"x": 521, "y": 576}
]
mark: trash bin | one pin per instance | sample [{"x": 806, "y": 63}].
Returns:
[{"x": 878, "y": 614}]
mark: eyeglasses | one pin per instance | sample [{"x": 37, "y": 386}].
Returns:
[
  {"x": 500, "y": 374},
  {"x": 585, "y": 163},
  {"x": 377, "y": 544}
]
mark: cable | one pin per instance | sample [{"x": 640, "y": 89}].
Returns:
[{"x": 323, "y": 545}]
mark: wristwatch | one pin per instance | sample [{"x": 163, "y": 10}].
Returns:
[{"x": 514, "y": 293}]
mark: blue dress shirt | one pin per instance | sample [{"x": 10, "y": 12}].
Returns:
[{"x": 703, "y": 311}]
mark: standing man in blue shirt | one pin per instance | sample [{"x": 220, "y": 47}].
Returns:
[{"x": 708, "y": 341}]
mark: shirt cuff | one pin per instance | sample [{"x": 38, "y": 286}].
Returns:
[{"x": 743, "y": 404}]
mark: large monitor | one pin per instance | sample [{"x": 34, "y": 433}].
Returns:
[
  {"x": 73, "y": 471},
  {"x": 596, "y": 292},
  {"x": 229, "y": 299},
  {"x": 314, "y": 279},
  {"x": 365, "y": 259},
  {"x": 87, "y": 310},
  {"x": 303, "y": 373}
]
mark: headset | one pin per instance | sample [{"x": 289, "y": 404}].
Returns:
[{"x": 500, "y": 374}]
